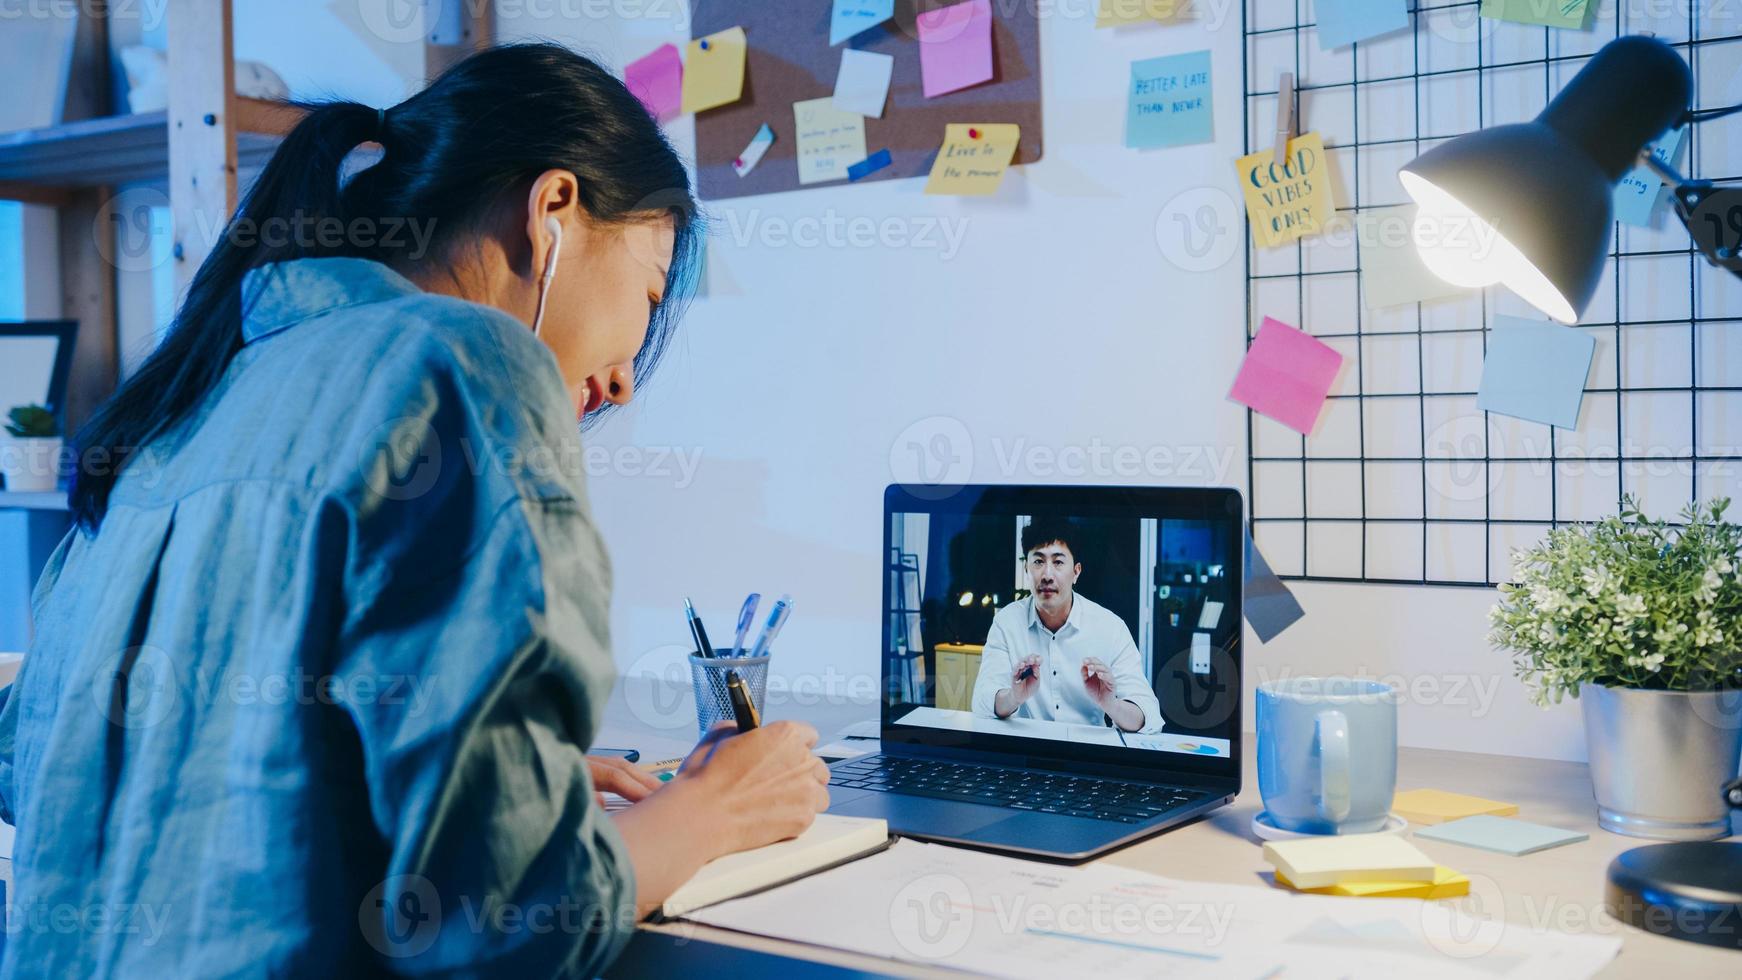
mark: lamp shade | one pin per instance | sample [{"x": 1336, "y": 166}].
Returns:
[{"x": 1529, "y": 205}]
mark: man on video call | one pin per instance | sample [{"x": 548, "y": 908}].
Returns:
[{"x": 1055, "y": 655}]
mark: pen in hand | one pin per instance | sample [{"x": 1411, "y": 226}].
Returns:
[{"x": 743, "y": 709}]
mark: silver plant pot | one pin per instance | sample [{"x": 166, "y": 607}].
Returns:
[{"x": 1659, "y": 758}]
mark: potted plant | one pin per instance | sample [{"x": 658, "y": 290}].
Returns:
[
  {"x": 30, "y": 460},
  {"x": 1641, "y": 620}
]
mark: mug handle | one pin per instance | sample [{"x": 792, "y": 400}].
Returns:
[{"x": 1331, "y": 729}]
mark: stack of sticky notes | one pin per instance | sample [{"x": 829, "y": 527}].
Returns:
[
  {"x": 1433, "y": 806},
  {"x": 1362, "y": 865},
  {"x": 1502, "y": 835},
  {"x": 1320, "y": 862}
]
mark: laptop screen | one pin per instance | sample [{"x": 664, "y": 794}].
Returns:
[{"x": 1083, "y": 622}]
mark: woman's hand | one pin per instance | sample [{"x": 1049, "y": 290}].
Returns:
[
  {"x": 612, "y": 774},
  {"x": 765, "y": 784}
]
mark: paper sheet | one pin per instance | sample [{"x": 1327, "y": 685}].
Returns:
[
  {"x": 1114, "y": 13},
  {"x": 1286, "y": 375},
  {"x": 1640, "y": 191},
  {"x": 657, "y": 80},
  {"x": 829, "y": 140},
  {"x": 1168, "y": 101},
  {"x": 852, "y": 17},
  {"x": 1344, "y": 22},
  {"x": 996, "y": 915},
  {"x": 1392, "y": 272},
  {"x": 714, "y": 70},
  {"x": 1568, "y": 14},
  {"x": 955, "y": 47},
  {"x": 973, "y": 158},
  {"x": 1536, "y": 370},
  {"x": 1289, "y": 200},
  {"x": 1270, "y": 607},
  {"x": 862, "y": 84},
  {"x": 754, "y": 150}
]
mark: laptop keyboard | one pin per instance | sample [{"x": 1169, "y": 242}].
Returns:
[{"x": 1016, "y": 789}]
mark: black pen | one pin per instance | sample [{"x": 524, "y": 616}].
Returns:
[
  {"x": 697, "y": 630},
  {"x": 743, "y": 709}
]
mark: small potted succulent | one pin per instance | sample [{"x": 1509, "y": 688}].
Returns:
[
  {"x": 30, "y": 459},
  {"x": 1641, "y": 621}
]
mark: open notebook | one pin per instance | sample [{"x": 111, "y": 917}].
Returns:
[{"x": 830, "y": 842}]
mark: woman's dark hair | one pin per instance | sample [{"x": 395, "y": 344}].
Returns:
[{"x": 477, "y": 136}]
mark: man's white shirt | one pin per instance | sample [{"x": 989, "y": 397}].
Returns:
[{"x": 1091, "y": 630}]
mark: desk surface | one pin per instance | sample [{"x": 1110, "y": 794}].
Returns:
[{"x": 1561, "y": 888}]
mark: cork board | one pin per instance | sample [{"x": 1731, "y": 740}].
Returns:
[{"x": 790, "y": 61}]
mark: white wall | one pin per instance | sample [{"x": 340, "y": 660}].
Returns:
[{"x": 1065, "y": 320}]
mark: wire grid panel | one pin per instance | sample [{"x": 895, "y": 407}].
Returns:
[{"x": 1405, "y": 480}]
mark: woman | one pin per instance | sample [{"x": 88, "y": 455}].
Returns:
[{"x": 313, "y": 679}]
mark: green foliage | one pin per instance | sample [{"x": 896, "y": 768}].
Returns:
[
  {"x": 32, "y": 422},
  {"x": 1627, "y": 602}
]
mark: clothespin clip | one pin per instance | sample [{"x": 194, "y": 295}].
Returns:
[{"x": 1284, "y": 116}]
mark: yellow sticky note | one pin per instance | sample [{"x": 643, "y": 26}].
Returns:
[
  {"x": 973, "y": 158},
  {"x": 713, "y": 71},
  {"x": 1112, "y": 13},
  {"x": 1288, "y": 200},
  {"x": 1320, "y": 862},
  {"x": 829, "y": 140},
  {"x": 1446, "y": 884},
  {"x": 1431, "y": 806}
]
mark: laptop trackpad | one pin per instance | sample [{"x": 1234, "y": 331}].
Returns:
[{"x": 921, "y": 816}]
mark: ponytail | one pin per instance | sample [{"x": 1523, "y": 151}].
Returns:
[{"x": 488, "y": 126}]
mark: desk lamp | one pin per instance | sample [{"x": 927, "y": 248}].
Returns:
[
  {"x": 1530, "y": 206},
  {"x": 1690, "y": 890}
]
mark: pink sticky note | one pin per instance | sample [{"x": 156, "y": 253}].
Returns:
[
  {"x": 657, "y": 80},
  {"x": 1286, "y": 375},
  {"x": 955, "y": 46}
]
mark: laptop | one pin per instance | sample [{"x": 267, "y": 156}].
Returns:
[{"x": 1061, "y": 666}]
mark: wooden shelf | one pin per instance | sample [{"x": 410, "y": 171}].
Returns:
[
  {"x": 10, "y": 500},
  {"x": 38, "y": 164}
]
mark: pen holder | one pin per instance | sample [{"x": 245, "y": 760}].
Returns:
[{"x": 708, "y": 674}]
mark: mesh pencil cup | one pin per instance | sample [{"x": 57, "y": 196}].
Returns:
[{"x": 713, "y": 703}]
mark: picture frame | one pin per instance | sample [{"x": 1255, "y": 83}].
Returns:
[{"x": 36, "y": 361}]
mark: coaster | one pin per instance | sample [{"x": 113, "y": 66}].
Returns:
[{"x": 1263, "y": 829}]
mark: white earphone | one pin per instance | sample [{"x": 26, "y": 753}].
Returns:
[{"x": 555, "y": 228}]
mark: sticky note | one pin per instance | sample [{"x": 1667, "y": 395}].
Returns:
[
  {"x": 1285, "y": 201},
  {"x": 1446, "y": 884},
  {"x": 1640, "y": 191},
  {"x": 1114, "y": 13},
  {"x": 1392, "y": 272},
  {"x": 1343, "y": 22},
  {"x": 1431, "y": 806},
  {"x": 973, "y": 158},
  {"x": 1536, "y": 371},
  {"x": 1502, "y": 834},
  {"x": 754, "y": 150},
  {"x": 870, "y": 165},
  {"x": 862, "y": 84},
  {"x": 852, "y": 17},
  {"x": 1319, "y": 862},
  {"x": 829, "y": 140},
  {"x": 1549, "y": 13},
  {"x": 1270, "y": 607},
  {"x": 1168, "y": 103},
  {"x": 955, "y": 47},
  {"x": 657, "y": 80},
  {"x": 1286, "y": 375},
  {"x": 714, "y": 70},
  {"x": 1210, "y": 616}
]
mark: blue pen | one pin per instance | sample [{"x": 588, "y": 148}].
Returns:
[
  {"x": 771, "y": 629},
  {"x": 745, "y": 615}
]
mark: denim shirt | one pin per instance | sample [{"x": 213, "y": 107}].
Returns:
[{"x": 313, "y": 701}]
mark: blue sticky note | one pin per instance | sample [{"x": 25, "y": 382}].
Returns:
[
  {"x": 868, "y": 166},
  {"x": 1343, "y": 22},
  {"x": 1503, "y": 834},
  {"x": 853, "y": 16},
  {"x": 1536, "y": 370},
  {"x": 1169, "y": 101},
  {"x": 1640, "y": 191}
]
